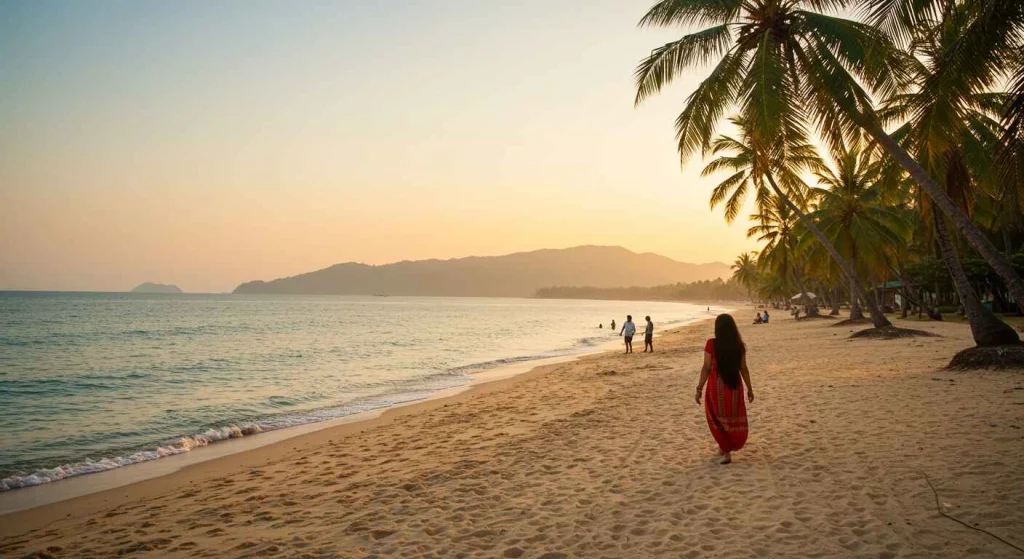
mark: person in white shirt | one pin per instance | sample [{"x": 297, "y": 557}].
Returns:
[{"x": 628, "y": 329}]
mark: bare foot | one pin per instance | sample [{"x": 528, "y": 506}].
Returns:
[{"x": 726, "y": 458}]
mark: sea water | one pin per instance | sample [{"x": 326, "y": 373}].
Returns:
[{"x": 95, "y": 381}]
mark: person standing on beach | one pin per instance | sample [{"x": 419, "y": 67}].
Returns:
[
  {"x": 613, "y": 324},
  {"x": 725, "y": 362},
  {"x": 628, "y": 329},
  {"x": 649, "y": 335}
]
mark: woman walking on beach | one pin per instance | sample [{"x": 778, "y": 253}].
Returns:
[{"x": 725, "y": 361}]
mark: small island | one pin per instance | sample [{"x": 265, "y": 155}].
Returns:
[{"x": 149, "y": 287}]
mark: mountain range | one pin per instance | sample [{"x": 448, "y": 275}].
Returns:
[{"x": 512, "y": 275}]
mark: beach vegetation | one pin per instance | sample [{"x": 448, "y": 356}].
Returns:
[{"x": 885, "y": 136}]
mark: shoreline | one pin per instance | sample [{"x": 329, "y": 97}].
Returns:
[
  {"x": 607, "y": 455},
  {"x": 39, "y": 515},
  {"x": 28, "y": 498}
]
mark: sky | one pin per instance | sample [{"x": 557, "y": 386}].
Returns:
[{"x": 209, "y": 143}]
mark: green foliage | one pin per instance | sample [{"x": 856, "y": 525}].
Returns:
[
  {"x": 784, "y": 65},
  {"x": 930, "y": 273},
  {"x": 853, "y": 215},
  {"x": 792, "y": 74}
]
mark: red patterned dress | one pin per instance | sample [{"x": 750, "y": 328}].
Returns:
[{"x": 725, "y": 409}]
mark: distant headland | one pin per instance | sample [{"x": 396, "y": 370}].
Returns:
[
  {"x": 150, "y": 287},
  {"x": 512, "y": 275}
]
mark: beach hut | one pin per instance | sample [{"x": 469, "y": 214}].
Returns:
[{"x": 890, "y": 295}]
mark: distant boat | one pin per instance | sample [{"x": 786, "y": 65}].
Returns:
[{"x": 381, "y": 295}]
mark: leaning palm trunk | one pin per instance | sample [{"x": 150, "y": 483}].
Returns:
[
  {"x": 857, "y": 291},
  {"x": 963, "y": 222},
  {"x": 985, "y": 327}
]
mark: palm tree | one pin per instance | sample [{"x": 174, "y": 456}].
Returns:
[
  {"x": 785, "y": 64},
  {"x": 961, "y": 49},
  {"x": 751, "y": 169},
  {"x": 1005, "y": 203},
  {"x": 744, "y": 271},
  {"x": 850, "y": 213},
  {"x": 989, "y": 44},
  {"x": 955, "y": 143},
  {"x": 774, "y": 288},
  {"x": 776, "y": 227},
  {"x": 986, "y": 329}
]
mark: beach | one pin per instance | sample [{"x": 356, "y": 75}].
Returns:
[{"x": 609, "y": 456}]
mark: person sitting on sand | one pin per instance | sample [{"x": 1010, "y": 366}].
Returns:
[
  {"x": 649, "y": 335},
  {"x": 725, "y": 361},
  {"x": 757, "y": 318},
  {"x": 628, "y": 329},
  {"x": 765, "y": 319}
]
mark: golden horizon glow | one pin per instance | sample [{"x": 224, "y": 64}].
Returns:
[{"x": 208, "y": 145}]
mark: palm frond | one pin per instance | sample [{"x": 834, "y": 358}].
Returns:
[
  {"x": 899, "y": 18},
  {"x": 665, "y": 62},
  {"x": 863, "y": 49},
  {"x": 706, "y": 105},
  {"x": 690, "y": 12}
]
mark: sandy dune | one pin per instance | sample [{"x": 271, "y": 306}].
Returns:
[{"x": 610, "y": 457}]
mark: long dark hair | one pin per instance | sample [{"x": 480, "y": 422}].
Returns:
[{"x": 729, "y": 350}]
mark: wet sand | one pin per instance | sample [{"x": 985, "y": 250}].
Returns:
[{"x": 609, "y": 456}]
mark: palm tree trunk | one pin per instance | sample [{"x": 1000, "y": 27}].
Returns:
[
  {"x": 985, "y": 327},
  {"x": 809, "y": 307},
  {"x": 905, "y": 289},
  {"x": 963, "y": 222},
  {"x": 855, "y": 311},
  {"x": 824, "y": 295},
  {"x": 877, "y": 318},
  {"x": 909, "y": 300},
  {"x": 835, "y": 301},
  {"x": 1008, "y": 244}
]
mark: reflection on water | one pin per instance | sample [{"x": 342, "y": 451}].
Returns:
[{"x": 93, "y": 381}]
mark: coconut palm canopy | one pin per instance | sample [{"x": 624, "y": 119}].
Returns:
[{"x": 869, "y": 141}]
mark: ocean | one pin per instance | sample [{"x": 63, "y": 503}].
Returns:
[{"x": 95, "y": 381}]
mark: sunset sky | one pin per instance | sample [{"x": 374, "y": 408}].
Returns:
[{"x": 210, "y": 143}]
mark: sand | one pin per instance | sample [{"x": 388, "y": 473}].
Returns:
[{"x": 609, "y": 456}]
